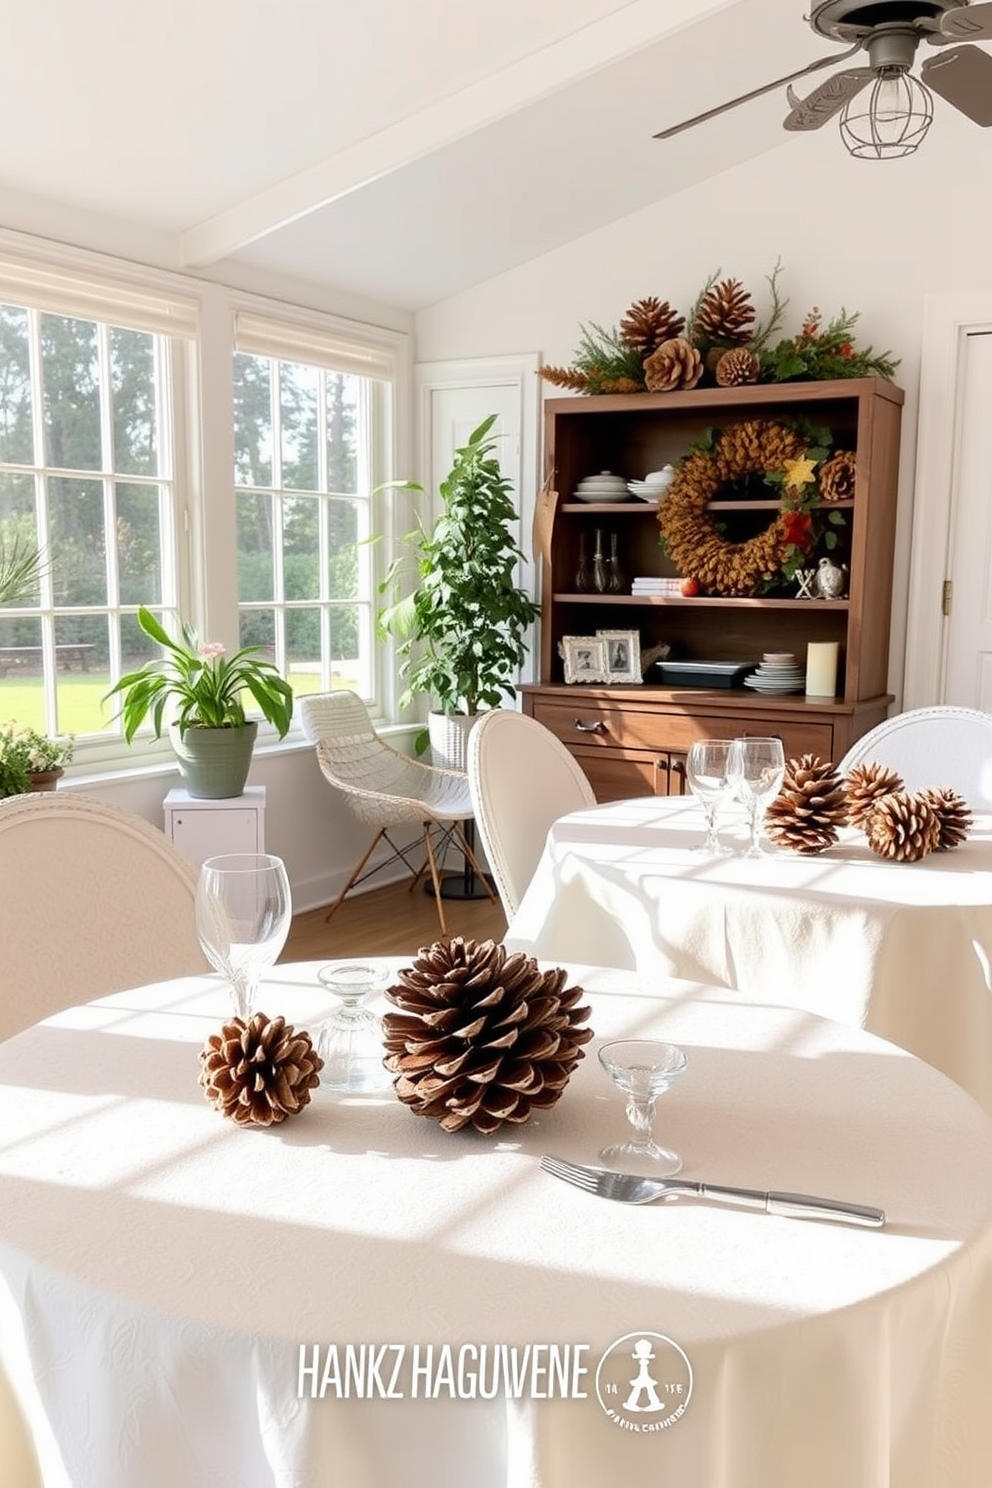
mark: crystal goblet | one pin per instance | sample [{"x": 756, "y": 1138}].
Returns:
[
  {"x": 642, "y": 1069},
  {"x": 758, "y": 769},
  {"x": 350, "y": 1040},
  {"x": 707, "y": 770},
  {"x": 243, "y": 913}
]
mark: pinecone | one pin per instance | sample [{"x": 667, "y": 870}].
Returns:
[
  {"x": 837, "y": 476},
  {"x": 954, "y": 817},
  {"x": 864, "y": 786},
  {"x": 673, "y": 364},
  {"x": 649, "y": 322},
  {"x": 736, "y": 367},
  {"x": 725, "y": 315},
  {"x": 809, "y": 808},
  {"x": 483, "y": 1035},
  {"x": 903, "y": 827},
  {"x": 260, "y": 1072}
]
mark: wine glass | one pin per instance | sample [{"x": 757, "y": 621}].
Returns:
[
  {"x": 707, "y": 769},
  {"x": 243, "y": 911},
  {"x": 758, "y": 769},
  {"x": 642, "y": 1069},
  {"x": 350, "y": 1040}
]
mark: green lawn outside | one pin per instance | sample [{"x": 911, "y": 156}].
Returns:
[{"x": 79, "y": 695}]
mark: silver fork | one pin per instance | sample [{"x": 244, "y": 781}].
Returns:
[{"x": 628, "y": 1188}]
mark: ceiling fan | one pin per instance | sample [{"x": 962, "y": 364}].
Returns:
[{"x": 899, "y": 109}]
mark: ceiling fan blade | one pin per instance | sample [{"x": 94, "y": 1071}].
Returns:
[
  {"x": 722, "y": 108},
  {"x": 826, "y": 100},
  {"x": 962, "y": 76},
  {"x": 973, "y": 22}
]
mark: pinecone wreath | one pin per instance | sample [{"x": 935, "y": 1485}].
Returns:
[
  {"x": 675, "y": 364},
  {"x": 902, "y": 826},
  {"x": 811, "y": 805},
  {"x": 953, "y": 816},
  {"x": 864, "y": 786},
  {"x": 482, "y": 1035},
  {"x": 725, "y": 315},
  {"x": 737, "y": 367},
  {"x": 259, "y": 1072},
  {"x": 648, "y": 322}
]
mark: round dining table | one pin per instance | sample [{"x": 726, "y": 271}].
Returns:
[
  {"x": 901, "y": 949},
  {"x": 356, "y": 1298}
]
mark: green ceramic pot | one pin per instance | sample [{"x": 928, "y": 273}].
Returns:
[{"x": 214, "y": 762}]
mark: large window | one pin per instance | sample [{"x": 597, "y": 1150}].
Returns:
[
  {"x": 310, "y": 443},
  {"x": 86, "y": 474}
]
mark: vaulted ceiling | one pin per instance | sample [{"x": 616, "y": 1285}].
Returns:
[{"x": 399, "y": 150}]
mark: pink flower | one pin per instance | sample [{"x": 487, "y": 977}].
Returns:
[{"x": 212, "y": 650}]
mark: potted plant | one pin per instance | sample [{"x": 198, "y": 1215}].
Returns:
[
  {"x": 31, "y": 761},
  {"x": 461, "y": 630},
  {"x": 212, "y": 737}
]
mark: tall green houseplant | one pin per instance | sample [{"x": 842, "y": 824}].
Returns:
[{"x": 461, "y": 631}]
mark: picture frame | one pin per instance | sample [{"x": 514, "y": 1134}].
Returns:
[
  {"x": 584, "y": 658},
  {"x": 623, "y": 655}
]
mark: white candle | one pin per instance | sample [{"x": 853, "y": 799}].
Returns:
[{"x": 821, "y": 668}]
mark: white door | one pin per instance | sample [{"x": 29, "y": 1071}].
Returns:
[
  {"x": 968, "y": 631},
  {"x": 455, "y": 398}
]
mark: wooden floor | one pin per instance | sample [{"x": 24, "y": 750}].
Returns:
[{"x": 389, "y": 921}]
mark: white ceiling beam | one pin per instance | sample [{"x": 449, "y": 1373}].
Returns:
[{"x": 638, "y": 24}]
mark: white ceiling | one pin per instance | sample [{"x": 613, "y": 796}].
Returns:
[{"x": 398, "y": 150}]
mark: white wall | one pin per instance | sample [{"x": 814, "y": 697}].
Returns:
[{"x": 874, "y": 236}]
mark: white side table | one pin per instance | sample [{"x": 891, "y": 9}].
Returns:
[{"x": 202, "y": 829}]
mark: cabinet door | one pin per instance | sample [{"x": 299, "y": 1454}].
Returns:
[
  {"x": 621, "y": 774},
  {"x": 205, "y": 833}
]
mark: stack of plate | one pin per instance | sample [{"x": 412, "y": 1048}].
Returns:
[
  {"x": 779, "y": 671},
  {"x": 602, "y": 487}
]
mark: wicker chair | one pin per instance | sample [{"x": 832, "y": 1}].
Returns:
[
  {"x": 95, "y": 900},
  {"x": 386, "y": 789}
]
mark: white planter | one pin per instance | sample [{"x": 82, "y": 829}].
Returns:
[{"x": 449, "y": 739}]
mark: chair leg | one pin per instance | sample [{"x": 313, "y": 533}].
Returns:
[
  {"x": 355, "y": 876},
  {"x": 435, "y": 876},
  {"x": 476, "y": 865}
]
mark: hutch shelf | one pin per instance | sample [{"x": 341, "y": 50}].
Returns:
[{"x": 632, "y": 739}]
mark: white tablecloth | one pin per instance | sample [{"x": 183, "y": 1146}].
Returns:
[
  {"x": 902, "y": 949},
  {"x": 160, "y": 1268}
]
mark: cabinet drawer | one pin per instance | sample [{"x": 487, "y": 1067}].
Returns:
[{"x": 595, "y": 724}]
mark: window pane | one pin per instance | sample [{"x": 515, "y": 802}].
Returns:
[
  {"x": 303, "y": 648},
  {"x": 82, "y": 673},
  {"x": 21, "y": 672},
  {"x": 342, "y": 421},
  {"x": 298, "y": 415},
  {"x": 139, "y": 544},
  {"x": 16, "y": 429},
  {"x": 18, "y": 526},
  {"x": 258, "y": 628},
  {"x": 301, "y": 547},
  {"x": 71, "y": 383},
  {"x": 252, "y": 420},
  {"x": 342, "y": 554},
  {"x": 347, "y": 669},
  {"x": 256, "y": 573},
  {"x": 132, "y": 373},
  {"x": 78, "y": 539}
]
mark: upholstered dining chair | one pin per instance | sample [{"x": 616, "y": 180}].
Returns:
[
  {"x": 945, "y": 747},
  {"x": 522, "y": 778},
  {"x": 388, "y": 790},
  {"x": 94, "y": 900}
]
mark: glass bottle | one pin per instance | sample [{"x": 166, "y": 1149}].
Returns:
[
  {"x": 615, "y": 581},
  {"x": 599, "y": 564},
  {"x": 583, "y": 574}
]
